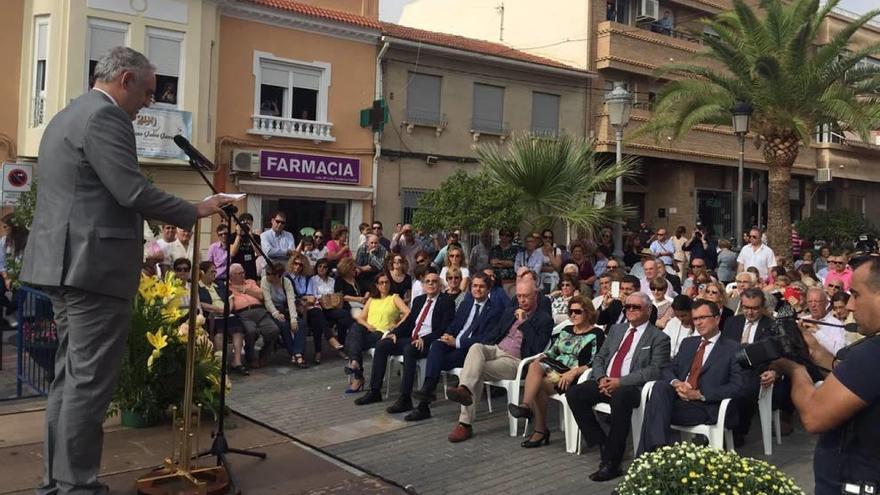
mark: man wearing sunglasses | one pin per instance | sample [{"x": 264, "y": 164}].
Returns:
[
  {"x": 756, "y": 254},
  {"x": 277, "y": 243},
  {"x": 631, "y": 356},
  {"x": 839, "y": 272}
]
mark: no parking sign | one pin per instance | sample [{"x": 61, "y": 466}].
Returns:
[{"x": 17, "y": 178}]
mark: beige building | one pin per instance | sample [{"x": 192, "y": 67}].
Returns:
[
  {"x": 624, "y": 40},
  {"x": 447, "y": 95}
]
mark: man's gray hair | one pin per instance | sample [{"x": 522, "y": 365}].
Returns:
[
  {"x": 121, "y": 59},
  {"x": 818, "y": 290},
  {"x": 646, "y": 299}
]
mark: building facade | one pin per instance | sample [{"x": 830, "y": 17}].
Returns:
[{"x": 627, "y": 40}]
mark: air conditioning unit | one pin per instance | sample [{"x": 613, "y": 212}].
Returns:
[
  {"x": 647, "y": 10},
  {"x": 823, "y": 175},
  {"x": 245, "y": 161}
]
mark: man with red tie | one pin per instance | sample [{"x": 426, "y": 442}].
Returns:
[
  {"x": 431, "y": 314},
  {"x": 631, "y": 356},
  {"x": 692, "y": 386}
]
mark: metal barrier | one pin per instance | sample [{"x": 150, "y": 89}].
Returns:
[{"x": 37, "y": 341}]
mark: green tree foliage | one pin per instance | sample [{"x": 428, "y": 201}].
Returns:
[
  {"x": 839, "y": 227},
  {"x": 557, "y": 180},
  {"x": 468, "y": 201},
  {"x": 770, "y": 60}
]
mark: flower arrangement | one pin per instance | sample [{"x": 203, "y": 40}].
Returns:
[
  {"x": 153, "y": 369},
  {"x": 686, "y": 468}
]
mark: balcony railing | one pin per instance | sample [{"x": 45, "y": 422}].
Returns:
[
  {"x": 38, "y": 110},
  {"x": 488, "y": 126},
  {"x": 266, "y": 125},
  {"x": 656, "y": 27},
  {"x": 546, "y": 132},
  {"x": 422, "y": 118}
]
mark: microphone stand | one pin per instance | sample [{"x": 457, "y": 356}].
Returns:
[{"x": 220, "y": 447}]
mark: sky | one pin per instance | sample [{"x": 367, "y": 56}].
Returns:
[{"x": 389, "y": 10}]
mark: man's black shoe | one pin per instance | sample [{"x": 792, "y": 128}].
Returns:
[
  {"x": 418, "y": 414},
  {"x": 607, "y": 471},
  {"x": 403, "y": 404},
  {"x": 423, "y": 396},
  {"x": 369, "y": 398},
  {"x": 739, "y": 440}
]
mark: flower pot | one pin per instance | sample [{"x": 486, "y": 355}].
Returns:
[{"x": 136, "y": 419}]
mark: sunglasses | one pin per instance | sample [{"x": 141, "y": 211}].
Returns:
[
  {"x": 835, "y": 262},
  {"x": 612, "y": 266},
  {"x": 753, "y": 237},
  {"x": 658, "y": 289},
  {"x": 548, "y": 237},
  {"x": 385, "y": 282},
  {"x": 318, "y": 237},
  {"x": 632, "y": 307},
  {"x": 279, "y": 222},
  {"x": 575, "y": 311},
  {"x": 222, "y": 233},
  {"x": 431, "y": 281},
  {"x": 455, "y": 256},
  {"x": 377, "y": 227},
  {"x": 712, "y": 292},
  {"x": 182, "y": 269},
  {"x": 698, "y": 266},
  {"x": 565, "y": 284},
  {"x": 297, "y": 263},
  {"x": 421, "y": 260},
  {"x": 834, "y": 286},
  {"x": 751, "y": 308}
]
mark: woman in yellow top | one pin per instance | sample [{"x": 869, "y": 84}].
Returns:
[{"x": 382, "y": 313}]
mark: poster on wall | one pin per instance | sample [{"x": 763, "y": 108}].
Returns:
[
  {"x": 17, "y": 178},
  {"x": 311, "y": 168},
  {"x": 154, "y": 131}
]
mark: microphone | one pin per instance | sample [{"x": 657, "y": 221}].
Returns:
[{"x": 196, "y": 158}]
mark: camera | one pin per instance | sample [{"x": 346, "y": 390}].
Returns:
[{"x": 785, "y": 340}]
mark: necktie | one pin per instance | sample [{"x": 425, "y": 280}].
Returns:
[
  {"x": 697, "y": 365},
  {"x": 415, "y": 334},
  {"x": 470, "y": 329},
  {"x": 622, "y": 351},
  {"x": 746, "y": 332}
]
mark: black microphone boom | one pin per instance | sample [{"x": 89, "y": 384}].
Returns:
[{"x": 195, "y": 156}]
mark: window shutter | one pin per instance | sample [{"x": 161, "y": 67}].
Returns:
[
  {"x": 306, "y": 78},
  {"x": 488, "y": 107},
  {"x": 42, "y": 39},
  {"x": 545, "y": 113},
  {"x": 165, "y": 55},
  {"x": 102, "y": 40},
  {"x": 275, "y": 75},
  {"x": 423, "y": 97}
]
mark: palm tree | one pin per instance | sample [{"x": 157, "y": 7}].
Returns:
[
  {"x": 556, "y": 179},
  {"x": 771, "y": 63}
]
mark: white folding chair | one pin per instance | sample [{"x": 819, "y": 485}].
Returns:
[
  {"x": 421, "y": 366},
  {"x": 638, "y": 416},
  {"x": 717, "y": 434},
  {"x": 769, "y": 419},
  {"x": 567, "y": 424}
]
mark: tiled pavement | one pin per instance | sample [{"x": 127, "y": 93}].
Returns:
[{"x": 310, "y": 405}]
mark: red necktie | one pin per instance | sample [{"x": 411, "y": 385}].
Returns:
[
  {"x": 697, "y": 365},
  {"x": 415, "y": 334},
  {"x": 622, "y": 351}
]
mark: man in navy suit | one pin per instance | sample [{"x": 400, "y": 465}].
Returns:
[
  {"x": 692, "y": 386},
  {"x": 472, "y": 320},
  {"x": 431, "y": 314}
]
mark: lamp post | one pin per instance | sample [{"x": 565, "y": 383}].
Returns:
[
  {"x": 619, "y": 103},
  {"x": 742, "y": 112}
]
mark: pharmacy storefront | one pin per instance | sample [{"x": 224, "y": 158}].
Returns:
[{"x": 316, "y": 191}]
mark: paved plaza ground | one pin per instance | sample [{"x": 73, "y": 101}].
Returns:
[{"x": 310, "y": 405}]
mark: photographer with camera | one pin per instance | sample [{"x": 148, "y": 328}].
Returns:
[{"x": 845, "y": 409}]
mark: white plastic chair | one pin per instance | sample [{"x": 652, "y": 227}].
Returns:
[
  {"x": 717, "y": 434},
  {"x": 567, "y": 423},
  {"x": 638, "y": 416},
  {"x": 453, "y": 371},
  {"x": 768, "y": 416},
  {"x": 512, "y": 387},
  {"x": 421, "y": 366}
]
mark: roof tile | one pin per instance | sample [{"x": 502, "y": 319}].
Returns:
[{"x": 322, "y": 13}]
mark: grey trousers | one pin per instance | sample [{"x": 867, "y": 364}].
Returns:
[{"x": 92, "y": 332}]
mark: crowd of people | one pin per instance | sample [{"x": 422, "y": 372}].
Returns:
[{"x": 594, "y": 328}]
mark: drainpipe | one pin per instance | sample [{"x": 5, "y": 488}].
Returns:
[{"x": 377, "y": 144}]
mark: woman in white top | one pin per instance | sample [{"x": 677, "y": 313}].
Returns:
[
  {"x": 340, "y": 318},
  {"x": 455, "y": 258},
  {"x": 681, "y": 326},
  {"x": 661, "y": 300}
]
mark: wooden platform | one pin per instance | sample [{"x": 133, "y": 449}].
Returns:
[{"x": 290, "y": 468}]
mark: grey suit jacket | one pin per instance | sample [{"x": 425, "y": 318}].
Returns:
[
  {"x": 651, "y": 352},
  {"x": 87, "y": 230}
]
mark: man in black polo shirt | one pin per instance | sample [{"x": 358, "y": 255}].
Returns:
[{"x": 845, "y": 409}]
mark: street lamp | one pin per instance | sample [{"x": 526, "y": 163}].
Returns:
[
  {"x": 741, "y": 111},
  {"x": 619, "y": 104}
]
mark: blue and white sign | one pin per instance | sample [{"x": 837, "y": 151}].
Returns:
[{"x": 154, "y": 131}]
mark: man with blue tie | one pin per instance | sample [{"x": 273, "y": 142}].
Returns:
[
  {"x": 691, "y": 387},
  {"x": 475, "y": 315}
]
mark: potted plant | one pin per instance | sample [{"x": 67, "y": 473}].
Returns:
[{"x": 686, "y": 468}]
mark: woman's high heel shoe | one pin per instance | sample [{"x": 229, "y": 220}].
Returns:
[{"x": 544, "y": 440}]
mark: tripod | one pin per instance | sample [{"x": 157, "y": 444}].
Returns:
[{"x": 220, "y": 447}]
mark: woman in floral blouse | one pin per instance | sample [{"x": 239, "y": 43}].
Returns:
[{"x": 573, "y": 347}]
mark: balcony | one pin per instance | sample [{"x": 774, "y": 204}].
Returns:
[
  {"x": 847, "y": 155},
  {"x": 422, "y": 118},
  {"x": 642, "y": 49},
  {"x": 269, "y": 126}
]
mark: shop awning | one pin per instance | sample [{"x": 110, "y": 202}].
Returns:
[{"x": 303, "y": 189}]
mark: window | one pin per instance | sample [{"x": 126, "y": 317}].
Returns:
[
  {"x": 488, "y": 108},
  {"x": 291, "y": 91},
  {"x": 423, "y": 99},
  {"x": 823, "y": 198},
  {"x": 102, "y": 36},
  {"x": 858, "y": 204},
  {"x": 409, "y": 203},
  {"x": 545, "y": 114},
  {"x": 41, "y": 56},
  {"x": 164, "y": 51}
]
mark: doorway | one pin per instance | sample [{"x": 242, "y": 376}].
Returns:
[
  {"x": 715, "y": 210},
  {"x": 301, "y": 213}
]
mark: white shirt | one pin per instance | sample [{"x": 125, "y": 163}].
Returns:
[
  {"x": 832, "y": 339},
  {"x": 763, "y": 259},
  {"x": 677, "y": 332},
  {"x": 627, "y": 360},
  {"x": 753, "y": 330},
  {"x": 416, "y": 291},
  {"x": 467, "y": 324},
  {"x": 176, "y": 250},
  {"x": 425, "y": 329},
  {"x": 465, "y": 273},
  {"x": 321, "y": 287},
  {"x": 597, "y": 302}
]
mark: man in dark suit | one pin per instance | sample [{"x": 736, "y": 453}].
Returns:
[
  {"x": 611, "y": 312},
  {"x": 692, "y": 386},
  {"x": 630, "y": 357},
  {"x": 521, "y": 332},
  {"x": 747, "y": 328},
  {"x": 85, "y": 251},
  {"x": 431, "y": 314},
  {"x": 473, "y": 319}
]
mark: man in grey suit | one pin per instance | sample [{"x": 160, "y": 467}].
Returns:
[
  {"x": 630, "y": 357},
  {"x": 85, "y": 251}
]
